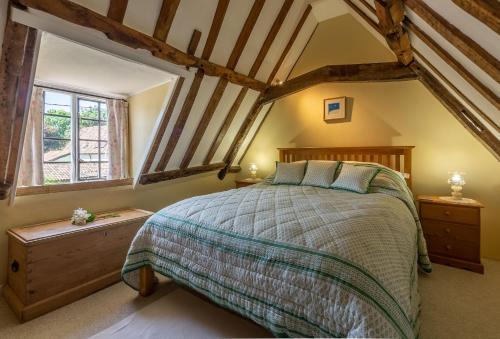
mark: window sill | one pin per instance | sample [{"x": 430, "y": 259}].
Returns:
[{"x": 79, "y": 186}]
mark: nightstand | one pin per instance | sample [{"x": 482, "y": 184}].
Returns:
[
  {"x": 452, "y": 230},
  {"x": 247, "y": 182}
]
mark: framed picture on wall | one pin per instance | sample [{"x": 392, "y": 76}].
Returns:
[{"x": 334, "y": 109}]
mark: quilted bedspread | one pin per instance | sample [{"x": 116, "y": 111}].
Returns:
[{"x": 298, "y": 260}]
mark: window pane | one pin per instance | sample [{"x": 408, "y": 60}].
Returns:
[
  {"x": 104, "y": 131},
  {"x": 104, "y": 151},
  {"x": 89, "y": 129},
  {"x": 57, "y": 103},
  {"x": 104, "y": 111},
  {"x": 88, "y": 109},
  {"x": 89, "y": 171},
  {"x": 56, "y": 127},
  {"x": 57, "y": 161},
  {"x": 89, "y": 151},
  {"x": 104, "y": 170}
]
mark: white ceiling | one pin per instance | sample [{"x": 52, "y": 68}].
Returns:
[{"x": 68, "y": 64}]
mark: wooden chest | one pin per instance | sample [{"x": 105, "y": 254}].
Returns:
[
  {"x": 452, "y": 230},
  {"x": 53, "y": 264}
]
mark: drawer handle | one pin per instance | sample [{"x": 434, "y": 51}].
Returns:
[
  {"x": 448, "y": 247},
  {"x": 447, "y": 230},
  {"x": 447, "y": 213},
  {"x": 14, "y": 266}
]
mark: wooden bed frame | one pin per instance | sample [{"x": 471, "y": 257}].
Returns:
[{"x": 396, "y": 157}]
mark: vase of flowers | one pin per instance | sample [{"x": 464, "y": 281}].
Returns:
[{"x": 82, "y": 217}]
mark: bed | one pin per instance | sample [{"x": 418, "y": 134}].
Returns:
[{"x": 299, "y": 260}]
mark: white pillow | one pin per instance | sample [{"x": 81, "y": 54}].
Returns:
[
  {"x": 320, "y": 173},
  {"x": 289, "y": 173}
]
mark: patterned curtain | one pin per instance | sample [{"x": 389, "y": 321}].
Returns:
[
  {"x": 117, "y": 139},
  {"x": 31, "y": 168}
]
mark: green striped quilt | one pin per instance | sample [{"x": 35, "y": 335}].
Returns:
[{"x": 299, "y": 260}]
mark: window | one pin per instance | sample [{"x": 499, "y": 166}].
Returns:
[{"x": 75, "y": 138}]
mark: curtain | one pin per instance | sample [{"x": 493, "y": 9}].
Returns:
[
  {"x": 117, "y": 139},
  {"x": 31, "y": 167}
]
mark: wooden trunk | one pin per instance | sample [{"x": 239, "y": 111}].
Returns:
[{"x": 53, "y": 264}]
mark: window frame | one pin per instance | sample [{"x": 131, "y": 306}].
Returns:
[{"x": 74, "y": 116}]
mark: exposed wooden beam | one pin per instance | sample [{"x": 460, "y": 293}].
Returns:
[
  {"x": 462, "y": 96},
  {"x": 17, "y": 66},
  {"x": 195, "y": 86},
  {"x": 193, "y": 42},
  {"x": 453, "y": 63},
  {"x": 225, "y": 126},
  {"x": 180, "y": 122},
  {"x": 163, "y": 125},
  {"x": 119, "y": 33},
  {"x": 278, "y": 22},
  {"x": 362, "y": 14},
  {"x": 289, "y": 44},
  {"x": 165, "y": 19},
  {"x": 220, "y": 13},
  {"x": 387, "y": 71},
  {"x": 440, "y": 51},
  {"x": 151, "y": 178},
  {"x": 254, "y": 112},
  {"x": 486, "y": 11},
  {"x": 488, "y": 63},
  {"x": 116, "y": 10},
  {"x": 390, "y": 14},
  {"x": 464, "y": 116}
]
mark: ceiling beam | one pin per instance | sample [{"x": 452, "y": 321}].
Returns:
[
  {"x": 165, "y": 19},
  {"x": 221, "y": 133},
  {"x": 124, "y": 35},
  {"x": 459, "y": 111},
  {"x": 376, "y": 72},
  {"x": 390, "y": 14},
  {"x": 116, "y": 10},
  {"x": 254, "y": 112},
  {"x": 222, "y": 83},
  {"x": 163, "y": 125},
  {"x": 488, "y": 63},
  {"x": 486, "y": 11},
  {"x": 440, "y": 51},
  {"x": 195, "y": 86},
  {"x": 151, "y": 178},
  {"x": 17, "y": 65}
]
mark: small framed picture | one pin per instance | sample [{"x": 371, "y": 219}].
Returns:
[{"x": 334, "y": 109}]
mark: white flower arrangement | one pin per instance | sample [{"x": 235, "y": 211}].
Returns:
[{"x": 82, "y": 217}]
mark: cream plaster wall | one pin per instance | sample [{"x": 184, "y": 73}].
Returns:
[
  {"x": 144, "y": 109},
  {"x": 395, "y": 113}
]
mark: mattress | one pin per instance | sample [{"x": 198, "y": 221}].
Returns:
[{"x": 298, "y": 260}]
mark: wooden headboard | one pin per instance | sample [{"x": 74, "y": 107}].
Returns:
[{"x": 396, "y": 157}]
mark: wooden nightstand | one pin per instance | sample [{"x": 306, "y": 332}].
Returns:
[
  {"x": 452, "y": 231},
  {"x": 247, "y": 182}
]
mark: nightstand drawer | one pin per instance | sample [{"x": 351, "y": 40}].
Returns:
[
  {"x": 464, "y": 215},
  {"x": 449, "y": 231},
  {"x": 453, "y": 248}
]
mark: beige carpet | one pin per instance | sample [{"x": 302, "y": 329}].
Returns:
[{"x": 455, "y": 304}]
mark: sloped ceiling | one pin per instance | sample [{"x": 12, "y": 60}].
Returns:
[{"x": 210, "y": 121}]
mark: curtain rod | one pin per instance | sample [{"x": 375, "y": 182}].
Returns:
[{"x": 76, "y": 92}]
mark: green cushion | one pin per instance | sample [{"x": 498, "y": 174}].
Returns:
[
  {"x": 320, "y": 173},
  {"x": 355, "y": 178},
  {"x": 290, "y": 173}
]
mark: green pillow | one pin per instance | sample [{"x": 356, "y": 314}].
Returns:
[
  {"x": 355, "y": 178},
  {"x": 290, "y": 173},
  {"x": 320, "y": 173}
]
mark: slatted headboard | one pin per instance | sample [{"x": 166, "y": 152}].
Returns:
[{"x": 396, "y": 157}]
